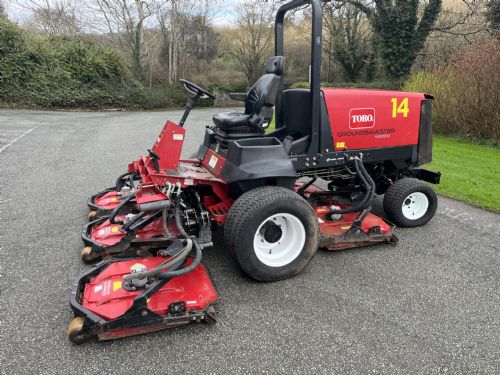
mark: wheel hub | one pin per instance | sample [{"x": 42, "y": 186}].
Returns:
[
  {"x": 279, "y": 240},
  {"x": 271, "y": 232},
  {"x": 415, "y": 206}
]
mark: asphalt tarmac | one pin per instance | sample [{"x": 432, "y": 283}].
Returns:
[{"x": 429, "y": 305}]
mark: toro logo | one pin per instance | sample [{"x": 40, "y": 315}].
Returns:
[{"x": 361, "y": 118}]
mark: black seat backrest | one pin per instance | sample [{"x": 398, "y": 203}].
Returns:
[
  {"x": 296, "y": 111},
  {"x": 266, "y": 90}
]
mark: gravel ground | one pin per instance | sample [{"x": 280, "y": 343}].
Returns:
[{"x": 429, "y": 305}]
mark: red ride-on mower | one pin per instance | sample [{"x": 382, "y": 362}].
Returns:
[{"x": 280, "y": 196}]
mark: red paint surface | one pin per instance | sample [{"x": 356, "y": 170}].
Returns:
[
  {"x": 148, "y": 194},
  {"x": 105, "y": 297},
  {"x": 169, "y": 144},
  {"x": 108, "y": 201},
  {"x": 384, "y": 130},
  {"x": 214, "y": 163},
  {"x": 338, "y": 227},
  {"x": 108, "y": 234}
]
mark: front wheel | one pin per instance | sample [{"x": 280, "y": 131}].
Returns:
[
  {"x": 410, "y": 203},
  {"x": 273, "y": 233}
]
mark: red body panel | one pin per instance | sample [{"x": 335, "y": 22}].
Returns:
[
  {"x": 214, "y": 163},
  {"x": 363, "y": 119},
  {"x": 186, "y": 172},
  {"x": 105, "y": 296},
  {"x": 108, "y": 234},
  {"x": 149, "y": 194},
  {"x": 173, "y": 136}
]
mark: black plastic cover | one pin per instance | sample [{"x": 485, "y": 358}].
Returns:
[
  {"x": 207, "y": 141},
  {"x": 425, "y": 133},
  {"x": 256, "y": 158}
]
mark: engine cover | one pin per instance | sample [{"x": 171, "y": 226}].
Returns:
[{"x": 367, "y": 119}]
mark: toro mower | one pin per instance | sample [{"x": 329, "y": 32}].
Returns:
[{"x": 279, "y": 195}]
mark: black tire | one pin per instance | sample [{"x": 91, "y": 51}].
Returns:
[
  {"x": 396, "y": 195},
  {"x": 250, "y": 211}
]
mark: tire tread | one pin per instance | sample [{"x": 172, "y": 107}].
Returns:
[
  {"x": 400, "y": 190},
  {"x": 246, "y": 206}
]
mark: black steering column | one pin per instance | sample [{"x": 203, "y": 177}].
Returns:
[{"x": 195, "y": 93}]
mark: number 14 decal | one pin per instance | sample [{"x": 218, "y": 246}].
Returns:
[{"x": 402, "y": 108}]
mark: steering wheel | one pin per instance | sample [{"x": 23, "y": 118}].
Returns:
[{"x": 196, "y": 90}]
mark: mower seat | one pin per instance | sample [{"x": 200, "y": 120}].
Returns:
[
  {"x": 233, "y": 122},
  {"x": 259, "y": 103}
]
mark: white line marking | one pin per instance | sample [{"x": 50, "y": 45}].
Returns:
[{"x": 17, "y": 139}]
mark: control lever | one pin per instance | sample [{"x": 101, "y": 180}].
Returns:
[{"x": 154, "y": 157}]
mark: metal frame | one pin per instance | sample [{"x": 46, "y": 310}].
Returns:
[{"x": 317, "y": 29}]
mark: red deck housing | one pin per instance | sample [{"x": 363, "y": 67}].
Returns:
[
  {"x": 109, "y": 200},
  {"x": 105, "y": 296},
  {"x": 108, "y": 234}
]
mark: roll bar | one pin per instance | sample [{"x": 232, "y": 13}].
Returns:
[{"x": 317, "y": 25}]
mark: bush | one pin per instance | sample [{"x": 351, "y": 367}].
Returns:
[
  {"x": 62, "y": 72},
  {"x": 381, "y": 85},
  {"x": 467, "y": 93}
]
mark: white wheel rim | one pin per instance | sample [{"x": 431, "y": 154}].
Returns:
[
  {"x": 279, "y": 249},
  {"x": 415, "y": 206}
]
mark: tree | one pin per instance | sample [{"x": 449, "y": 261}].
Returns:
[
  {"x": 253, "y": 41},
  {"x": 347, "y": 39},
  {"x": 493, "y": 15},
  {"x": 187, "y": 34},
  {"x": 2, "y": 10},
  {"x": 401, "y": 33},
  {"x": 53, "y": 17},
  {"x": 127, "y": 18}
]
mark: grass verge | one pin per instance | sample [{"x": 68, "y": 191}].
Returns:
[{"x": 470, "y": 171}]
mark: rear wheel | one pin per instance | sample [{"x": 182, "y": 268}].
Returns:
[
  {"x": 410, "y": 203},
  {"x": 273, "y": 233}
]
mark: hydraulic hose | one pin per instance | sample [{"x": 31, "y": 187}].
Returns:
[
  {"x": 183, "y": 271},
  {"x": 372, "y": 184},
  {"x": 133, "y": 224},
  {"x": 178, "y": 219},
  {"x": 125, "y": 178},
  {"x": 172, "y": 264},
  {"x": 119, "y": 181},
  {"x": 369, "y": 185},
  {"x": 182, "y": 231},
  {"x": 112, "y": 216},
  {"x": 166, "y": 231},
  {"x": 366, "y": 178}
]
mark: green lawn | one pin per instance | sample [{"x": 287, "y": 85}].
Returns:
[{"x": 470, "y": 172}]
